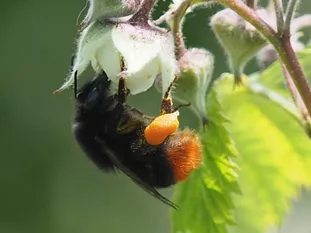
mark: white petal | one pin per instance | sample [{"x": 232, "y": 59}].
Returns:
[
  {"x": 109, "y": 60},
  {"x": 91, "y": 39},
  {"x": 143, "y": 79},
  {"x": 168, "y": 63},
  {"x": 146, "y": 52},
  {"x": 138, "y": 46}
]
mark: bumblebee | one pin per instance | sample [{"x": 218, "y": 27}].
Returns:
[{"x": 116, "y": 136}]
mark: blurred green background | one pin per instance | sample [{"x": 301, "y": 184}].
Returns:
[{"x": 47, "y": 184}]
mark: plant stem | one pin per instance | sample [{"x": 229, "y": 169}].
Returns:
[
  {"x": 281, "y": 43},
  {"x": 174, "y": 19},
  {"x": 142, "y": 15},
  {"x": 295, "y": 94},
  {"x": 298, "y": 101},
  {"x": 178, "y": 15},
  {"x": 290, "y": 61},
  {"x": 278, "y": 8},
  {"x": 290, "y": 10}
]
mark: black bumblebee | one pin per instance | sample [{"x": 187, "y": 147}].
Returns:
[{"x": 111, "y": 133}]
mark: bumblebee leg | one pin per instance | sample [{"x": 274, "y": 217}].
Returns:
[
  {"x": 123, "y": 92},
  {"x": 118, "y": 110},
  {"x": 181, "y": 105},
  {"x": 167, "y": 102},
  {"x": 166, "y": 106},
  {"x": 75, "y": 84}
]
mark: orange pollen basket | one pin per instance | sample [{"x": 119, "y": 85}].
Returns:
[
  {"x": 184, "y": 153},
  {"x": 161, "y": 127}
]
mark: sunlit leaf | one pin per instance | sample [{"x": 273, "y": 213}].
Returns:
[
  {"x": 205, "y": 199},
  {"x": 275, "y": 157}
]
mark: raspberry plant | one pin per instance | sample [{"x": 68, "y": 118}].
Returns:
[{"x": 255, "y": 165}]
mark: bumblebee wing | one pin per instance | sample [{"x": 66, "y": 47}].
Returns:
[{"x": 152, "y": 191}]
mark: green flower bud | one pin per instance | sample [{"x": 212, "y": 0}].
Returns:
[
  {"x": 240, "y": 40},
  {"x": 196, "y": 69}
]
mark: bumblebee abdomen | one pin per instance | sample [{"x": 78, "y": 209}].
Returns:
[
  {"x": 149, "y": 163},
  {"x": 85, "y": 136},
  {"x": 155, "y": 170}
]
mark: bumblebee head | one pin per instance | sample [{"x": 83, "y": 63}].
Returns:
[{"x": 93, "y": 92}]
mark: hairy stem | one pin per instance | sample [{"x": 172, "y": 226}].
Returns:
[
  {"x": 279, "y": 12},
  {"x": 293, "y": 69},
  {"x": 298, "y": 101},
  {"x": 295, "y": 94},
  {"x": 178, "y": 15},
  {"x": 174, "y": 18},
  {"x": 290, "y": 10},
  {"x": 282, "y": 45},
  {"x": 142, "y": 15}
]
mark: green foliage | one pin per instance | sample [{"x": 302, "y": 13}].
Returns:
[
  {"x": 274, "y": 161},
  {"x": 205, "y": 199},
  {"x": 275, "y": 156}
]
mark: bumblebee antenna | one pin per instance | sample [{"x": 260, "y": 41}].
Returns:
[{"x": 75, "y": 83}]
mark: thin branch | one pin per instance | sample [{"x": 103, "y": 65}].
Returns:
[
  {"x": 296, "y": 96},
  {"x": 178, "y": 15},
  {"x": 290, "y": 10},
  {"x": 290, "y": 60},
  {"x": 174, "y": 18},
  {"x": 142, "y": 15},
  {"x": 279, "y": 13}
]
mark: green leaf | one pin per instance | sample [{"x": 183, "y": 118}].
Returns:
[
  {"x": 205, "y": 199},
  {"x": 275, "y": 157}
]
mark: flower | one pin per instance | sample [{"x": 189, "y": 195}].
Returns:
[{"x": 136, "y": 52}]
